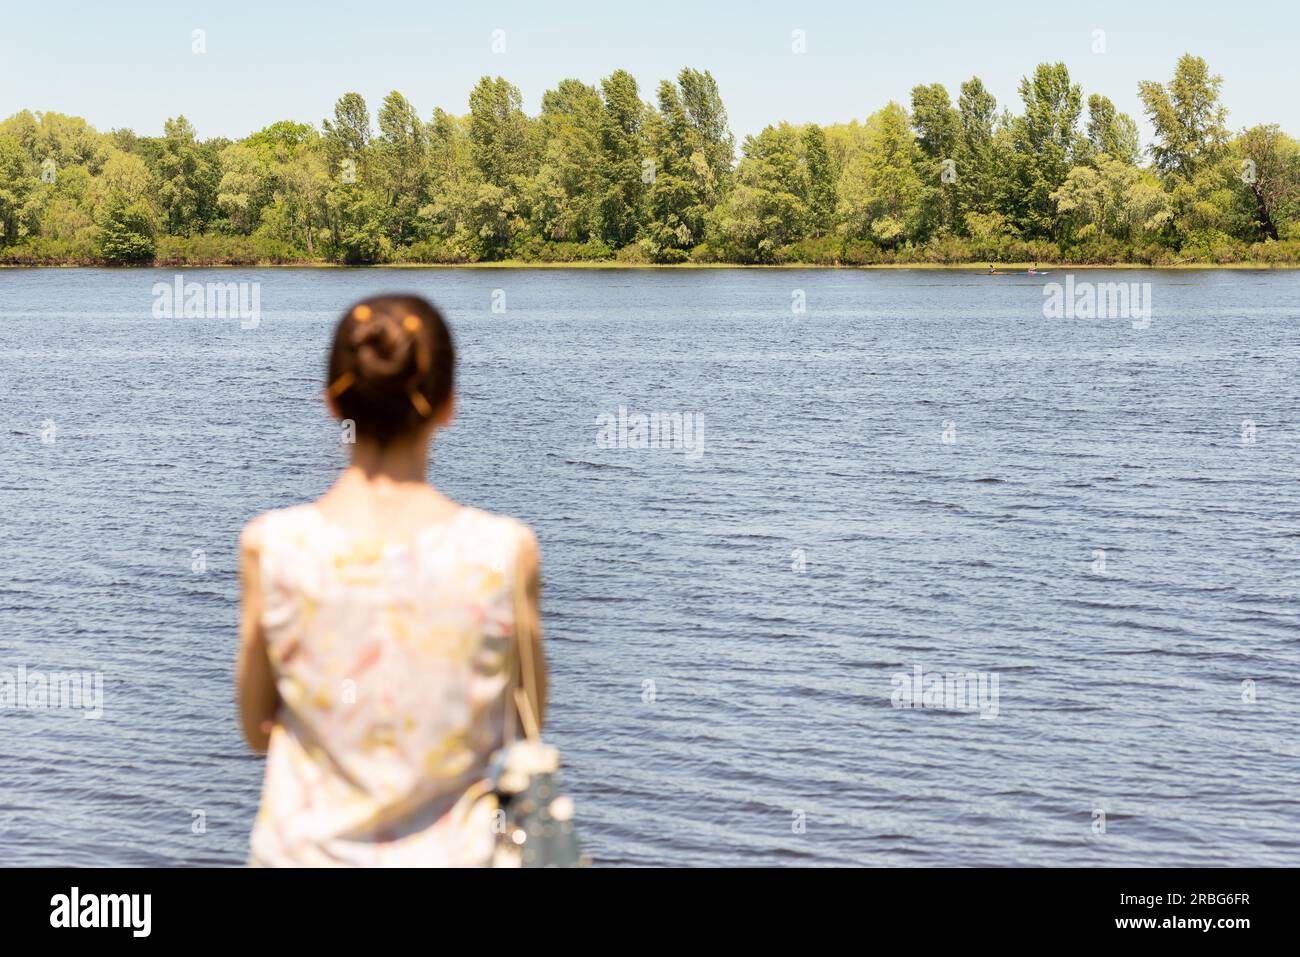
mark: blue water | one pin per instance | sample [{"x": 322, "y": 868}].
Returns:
[{"x": 724, "y": 631}]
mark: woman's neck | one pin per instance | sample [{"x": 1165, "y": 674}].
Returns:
[{"x": 396, "y": 462}]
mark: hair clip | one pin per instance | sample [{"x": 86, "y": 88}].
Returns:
[
  {"x": 361, "y": 313},
  {"x": 411, "y": 323},
  {"x": 421, "y": 403},
  {"x": 341, "y": 385}
]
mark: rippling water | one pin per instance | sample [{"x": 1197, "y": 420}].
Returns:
[{"x": 724, "y": 632}]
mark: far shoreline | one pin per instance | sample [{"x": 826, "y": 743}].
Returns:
[{"x": 977, "y": 267}]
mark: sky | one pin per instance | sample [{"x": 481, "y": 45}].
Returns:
[{"x": 130, "y": 63}]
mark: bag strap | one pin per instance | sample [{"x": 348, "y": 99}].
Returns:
[{"x": 523, "y": 665}]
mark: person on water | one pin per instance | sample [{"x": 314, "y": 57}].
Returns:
[
  {"x": 991, "y": 269},
  {"x": 380, "y": 625}
]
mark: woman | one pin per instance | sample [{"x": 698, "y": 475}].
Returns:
[{"x": 380, "y": 626}]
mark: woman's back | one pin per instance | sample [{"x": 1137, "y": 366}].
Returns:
[{"x": 391, "y": 658}]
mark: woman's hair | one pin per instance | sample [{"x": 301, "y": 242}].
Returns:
[{"x": 392, "y": 366}]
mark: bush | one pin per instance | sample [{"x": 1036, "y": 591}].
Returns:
[
  {"x": 535, "y": 249},
  {"x": 948, "y": 249},
  {"x": 633, "y": 254},
  {"x": 1211, "y": 246},
  {"x": 1097, "y": 252},
  {"x": 1031, "y": 251},
  {"x": 126, "y": 236},
  {"x": 41, "y": 251},
  {"x": 671, "y": 255},
  {"x": 861, "y": 252},
  {"x": 1285, "y": 252},
  {"x": 436, "y": 252},
  {"x": 219, "y": 250},
  {"x": 705, "y": 252},
  {"x": 1152, "y": 254},
  {"x": 817, "y": 251}
]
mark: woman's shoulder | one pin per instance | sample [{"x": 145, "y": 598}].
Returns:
[
  {"x": 276, "y": 524},
  {"x": 502, "y": 529},
  {"x": 503, "y": 525}
]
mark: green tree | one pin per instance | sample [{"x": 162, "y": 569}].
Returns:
[
  {"x": 245, "y": 186},
  {"x": 402, "y": 160},
  {"x": 600, "y": 172},
  {"x": 1112, "y": 132},
  {"x": 939, "y": 139},
  {"x": 1112, "y": 199},
  {"x": 124, "y": 216},
  {"x": 769, "y": 206},
  {"x": 1046, "y": 142},
  {"x": 354, "y": 216},
  {"x": 1187, "y": 116},
  {"x": 880, "y": 186},
  {"x": 625, "y": 153},
  {"x": 982, "y": 177},
  {"x": 348, "y": 135},
  {"x": 500, "y": 147},
  {"x": 454, "y": 182},
  {"x": 189, "y": 179},
  {"x": 498, "y": 132},
  {"x": 126, "y": 234},
  {"x": 1269, "y": 162},
  {"x": 692, "y": 148},
  {"x": 361, "y": 236},
  {"x": 17, "y": 183},
  {"x": 565, "y": 192},
  {"x": 822, "y": 177},
  {"x": 938, "y": 125}
]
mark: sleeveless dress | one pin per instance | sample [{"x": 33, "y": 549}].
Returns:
[{"x": 392, "y": 660}]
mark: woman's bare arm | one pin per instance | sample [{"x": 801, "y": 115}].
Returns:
[{"x": 254, "y": 680}]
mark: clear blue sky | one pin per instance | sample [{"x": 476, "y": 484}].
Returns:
[{"x": 128, "y": 62}]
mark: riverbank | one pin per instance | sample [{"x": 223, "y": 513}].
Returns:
[
  {"x": 979, "y": 267},
  {"x": 209, "y": 251}
]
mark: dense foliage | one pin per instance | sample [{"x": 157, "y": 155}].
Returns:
[{"x": 602, "y": 174}]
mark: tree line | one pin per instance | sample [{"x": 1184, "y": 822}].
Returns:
[{"x": 602, "y": 174}]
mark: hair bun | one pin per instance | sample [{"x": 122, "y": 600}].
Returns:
[
  {"x": 384, "y": 351},
  {"x": 392, "y": 366}
]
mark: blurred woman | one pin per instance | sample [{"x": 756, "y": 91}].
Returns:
[{"x": 379, "y": 626}]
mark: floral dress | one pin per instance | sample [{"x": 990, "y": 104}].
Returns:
[{"x": 391, "y": 658}]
